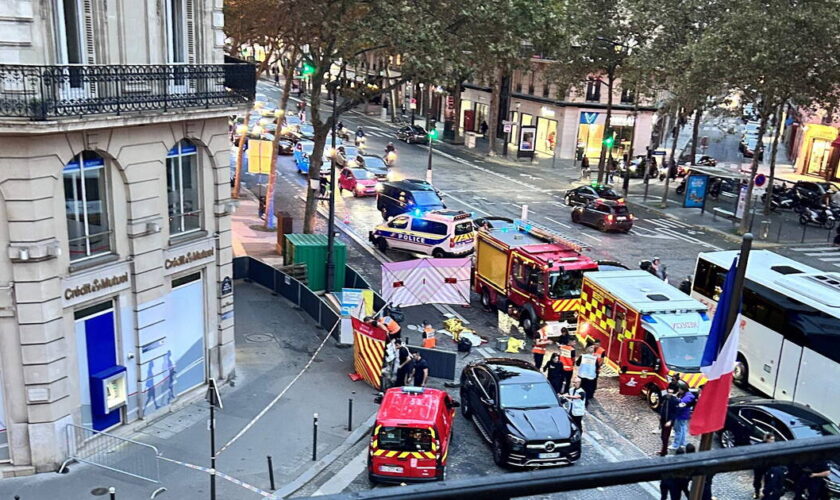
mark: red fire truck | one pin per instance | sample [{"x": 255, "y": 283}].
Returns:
[
  {"x": 650, "y": 331},
  {"x": 532, "y": 273}
]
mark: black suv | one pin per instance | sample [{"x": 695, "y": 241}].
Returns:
[
  {"x": 518, "y": 413},
  {"x": 584, "y": 194},
  {"x": 408, "y": 195}
]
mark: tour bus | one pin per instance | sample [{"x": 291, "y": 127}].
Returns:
[{"x": 789, "y": 345}]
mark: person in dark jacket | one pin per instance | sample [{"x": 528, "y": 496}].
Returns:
[
  {"x": 555, "y": 373},
  {"x": 683, "y": 415},
  {"x": 759, "y": 472},
  {"x": 774, "y": 482},
  {"x": 707, "y": 483},
  {"x": 667, "y": 412},
  {"x": 672, "y": 488}
]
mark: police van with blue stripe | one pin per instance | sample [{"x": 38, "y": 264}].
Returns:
[{"x": 439, "y": 233}]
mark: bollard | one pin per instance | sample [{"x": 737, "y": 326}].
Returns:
[
  {"x": 350, "y": 413},
  {"x": 524, "y": 212},
  {"x": 271, "y": 473},
  {"x": 113, "y": 492},
  {"x": 314, "y": 437},
  {"x": 765, "y": 229}
]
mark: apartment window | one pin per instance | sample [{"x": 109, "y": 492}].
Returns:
[
  {"x": 593, "y": 90},
  {"x": 530, "y": 83},
  {"x": 628, "y": 96},
  {"x": 182, "y": 188},
  {"x": 546, "y": 88},
  {"x": 176, "y": 24},
  {"x": 86, "y": 203}
]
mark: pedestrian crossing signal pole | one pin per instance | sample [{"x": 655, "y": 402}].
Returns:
[
  {"x": 432, "y": 136},
  {"x": 215, "y": 402}
]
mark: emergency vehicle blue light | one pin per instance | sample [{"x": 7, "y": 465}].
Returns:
[
  {"x": 417, "y": 212},
  {"x": 704, "y": 316},
  {"x": 647, "y": 318}
]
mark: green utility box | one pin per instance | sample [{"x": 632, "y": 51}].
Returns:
[{"x": 311, "y": 250}]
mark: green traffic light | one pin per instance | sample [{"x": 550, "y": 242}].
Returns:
[
  {"x": 609, "y": 141},
  {"x": 433, "y": 134},
  {"x": 308, "y": 69}
]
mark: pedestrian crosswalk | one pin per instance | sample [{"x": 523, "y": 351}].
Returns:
[
  {"x": 827, "y": 254},
  {"x": 666, "y": 227}
]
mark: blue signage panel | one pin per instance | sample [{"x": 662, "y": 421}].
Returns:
[
  {"x": 588, "y": 118},
  {"x": 695, "y": 190}
]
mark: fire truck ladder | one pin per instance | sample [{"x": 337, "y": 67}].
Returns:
[{"x": 549, "y": 235}]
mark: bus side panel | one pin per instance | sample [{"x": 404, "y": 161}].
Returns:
[
  {"x": 788, "y": 371},
  {"x": 817, "y": 386},
  {"x": 762, "y": 348},
  {"x": 491, "y": 264}
]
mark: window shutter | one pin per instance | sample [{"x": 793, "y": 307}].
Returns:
[
  {"x": 90, "y": 46},
  {"x": 191, "y": 55}
]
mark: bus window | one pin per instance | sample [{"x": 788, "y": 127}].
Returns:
[{"x": 708, "y": 279}]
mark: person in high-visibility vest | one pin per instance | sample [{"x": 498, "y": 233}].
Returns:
[
  {"x": 429, "y": 340},
  {"x": 599, "y": 353},
  {"x": 587, "y": 365},
  {"x": 391, "y": 326},
  {"x": 567, "y": 359},
  {"x": 539, "y": 346}
]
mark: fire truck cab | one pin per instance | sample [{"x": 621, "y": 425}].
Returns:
[
  {"x": 411, "y": 436},
  {"x": 532, "y": 273},
  {"x": 650, "y": 331}
]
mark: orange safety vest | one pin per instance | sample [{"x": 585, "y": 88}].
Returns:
[
  {"x": 429, "y": 330},
  {"x": 389, "y": 324},
  {"x": 566, "y": 358},
  {"x": 429, "y": 343},
  {"x": 599, "y": 353},
  {"x": 541, "y": 341}
]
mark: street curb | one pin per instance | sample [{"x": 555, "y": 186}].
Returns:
[{"x": 302, "y": 480}]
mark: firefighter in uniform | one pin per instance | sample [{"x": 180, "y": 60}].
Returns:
[
  {"x": 539, "y": 345},
  {"x": 390, "y": 325},
  {"x": 599, "y": 353},
  {"x": 567, "y": 358},
  {"x": 587, "y": 365},
  {"x": 429, "y": 340}
]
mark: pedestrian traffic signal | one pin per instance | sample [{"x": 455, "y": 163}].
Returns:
[
  {"x": 609, "y": 141},
  {"x": 433, "y": 134},
  {"x": 308, "y": 69}
]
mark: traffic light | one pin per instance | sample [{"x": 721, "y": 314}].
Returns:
[
  {"x": 609, "y": 141},
  {"x": 433, "y": 134},
  {"x": 308, "y": 69}
]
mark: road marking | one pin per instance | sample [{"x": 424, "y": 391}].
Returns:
[
  {"x": 345, "y": 476},
  {"x": 558, "y": 222},
  {"x": 464, "y": 203},
  {"x": 593, "y": 237},
  {"x": 814, "y": 249}
]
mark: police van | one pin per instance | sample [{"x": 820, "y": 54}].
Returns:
[{"x": 439, "y": 233}]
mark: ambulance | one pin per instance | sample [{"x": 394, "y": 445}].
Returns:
[
  {"x": 439, "y": 233},
  {"x": 411, "y": 435},
  {"x": 650, "y": 331}
]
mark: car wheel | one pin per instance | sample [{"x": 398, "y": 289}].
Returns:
[
  {"x": 466, "y": 411},
  {"x": 486, "y": 300},
  {"x": 741, "y": 372},
  {"x": 727, "y": 439},
  {"x": 382, "y": 245},
  {"x": 602, "y": 226},
  {"x": 529, "y": 323},
  {"x": 438, "y": 253},
  {"x": 576, "y": 217},
  {"x": 654, "y": 397},
  {"x": 499, "y": 453}
]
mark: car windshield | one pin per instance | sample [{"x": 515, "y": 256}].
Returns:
[
  {"x": 426, "y": 199},
  {"x": 527, "y": 395},
  {"x": 360, "y": 173},
  {"x": 463, "y": 228},
  {"x": 308, "y": 148},
  {"x": 419, "y": 130},
  {"x": 350, "y": 152},
  {"x": 808, "y": 429},
  {"x": 293, "y": 120},
  {"x": 606, "y": 192},
  {"x": 621, "y": 210},
  {"x": 374, "y": 162},
  {"x": 683, "y": 352},
  {"x": 564, "y": 284},
  {"x": 404, "y": 439}
]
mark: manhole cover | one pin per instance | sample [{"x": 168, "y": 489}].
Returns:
[
  {"x": 98, "y": 492},
  {"x": 259, "y": 337}
]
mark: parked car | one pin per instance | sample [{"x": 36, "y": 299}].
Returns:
[
  {"x": 749, "y": 418},
  {"x": 584, "y": 194},
  {"x": 413, "y": 134},
  {"x": 518, "y": 413},
  {"x": 359, "y": 181},
  {"x": 606, "y": 215}
]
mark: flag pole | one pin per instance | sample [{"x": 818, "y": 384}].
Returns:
[{"x": 698, "y": 482}]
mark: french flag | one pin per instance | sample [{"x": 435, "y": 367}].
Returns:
[{"x": 718, "y": 364}]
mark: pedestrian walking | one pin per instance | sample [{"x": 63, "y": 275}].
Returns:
[
  {"x": 276, "y": 77},
  {"x": 539, "y": 345},
  {"x": 587, "y": 365},
  {"x": 759, "y": 472},
  {"x": 774, "y": 482},
  {"x": 612, "y": 170},
  {"x": 672, "y": 488},
  {"x": 404, "y": 360},
  {"x": 483, "y": 127},
  {"x": 667, "y": 413},
  {"x": 554, "y": 372},
  {"x": 584, "y": 168},
  {"x": 419, "y": 370},
  {"x": 577, "y": 402},
  {"x": 684, "y": 408},
  {"x": 567, "y": 358}
]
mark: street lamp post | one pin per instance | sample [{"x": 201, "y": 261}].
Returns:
[
  {"x": 432, "y": 134},
  {"x": 331, "y": 216},
  {"x": 411, "y": 102}
]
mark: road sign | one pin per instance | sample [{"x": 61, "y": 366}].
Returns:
[
  {"x": 659, "y": 152},
  {"x": 413, "y": 103},
  {"x": 213, "y": 396},
  {"x": 508, "y": 127},
  {"x": 588, "y": 118},
  {"x": 760, "y": 180}
]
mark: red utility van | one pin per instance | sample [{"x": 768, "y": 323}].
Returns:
[{"x": 410, "y": 440}]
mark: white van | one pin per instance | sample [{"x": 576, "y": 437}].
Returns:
[{"x": 439, "y": 233}]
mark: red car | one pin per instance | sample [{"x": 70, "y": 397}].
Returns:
[{"x": 358, "y": 180}]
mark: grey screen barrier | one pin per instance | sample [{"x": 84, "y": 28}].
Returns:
[{"x": 441, "y": 362}]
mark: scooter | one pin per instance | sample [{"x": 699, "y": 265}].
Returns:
[
  {"x": 391, "y": 158},
  {"x": 360, "y": 143},
  {"x": 818, "y": 216}
]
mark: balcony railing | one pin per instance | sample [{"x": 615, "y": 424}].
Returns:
[{"x": 49, "y": 92}]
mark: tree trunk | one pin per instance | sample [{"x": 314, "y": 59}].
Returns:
[
  {"x": 626, "y": 180},
  {"x": 773, "y": 150},
  {"x": 745, "y": 219},
  {"x": 240, "y": 149},
  {"x": 695, "y": 132},
  {"x": 607, "y": 125},
  {"x": 288, "y": 73},
  {"x": 676, "y": 131},
  {"x": 392, "y": 93},
  {"x": 321, "y": 130},
  {"x": 456, "y": 120},
  {"x": 493, "y": 118}
]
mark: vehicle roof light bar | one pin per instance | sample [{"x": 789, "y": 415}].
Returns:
[{"x": 548, "y": 235}]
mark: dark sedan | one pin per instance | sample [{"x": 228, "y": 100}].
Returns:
[
  {"x": 606, "y": 215},
  {"x": 749, "y": 418},
  {"x": 413, "y": 134},
  {"x": 518, "y": 413},
  {"x": 584, "y": 194},
  {"x": 376, "y": 165}
]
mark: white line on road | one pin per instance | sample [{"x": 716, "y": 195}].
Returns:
[
  {"x": 590, "y": 236},
  {"x": 345, "y": 476},
  {"x": 820, "y": 254},
  {"x": 558, "y": 222},
  {"x": 468, "y": 205},
  {"x": 814, "y": 249}
]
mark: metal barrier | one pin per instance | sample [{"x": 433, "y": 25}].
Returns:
[
  {"x": 114, "y": 453},
  {"x": 441, "y": 361}
]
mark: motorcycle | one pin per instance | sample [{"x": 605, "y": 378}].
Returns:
[
  {"x": 360, "y": 142},
  {"x": 390, "y": 158},
  {"x": 822, "y": 217},
  {"x": 685, "y": 285},
  {"x": 343, "y": 134}
]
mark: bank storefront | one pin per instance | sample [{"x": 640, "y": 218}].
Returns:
[{"x": 819, "y": 152}]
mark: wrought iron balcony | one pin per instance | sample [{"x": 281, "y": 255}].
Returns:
[{"x": 50, "y": 92}]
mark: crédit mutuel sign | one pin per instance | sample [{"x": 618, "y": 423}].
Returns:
[
  {"x": 95, "y": 286},
  {"x": 189, "y": 258},
  {"x": 195, "y": 254},
  {"x": 101, "y": 282}
]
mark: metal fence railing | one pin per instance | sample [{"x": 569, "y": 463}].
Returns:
[{"x": 114, "y": 453}]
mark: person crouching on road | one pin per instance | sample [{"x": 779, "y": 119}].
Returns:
[
  {"x": 539, "y": 345},
  {"x": 577, "y": 400},
  {"x": 588, "y": 372}
]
